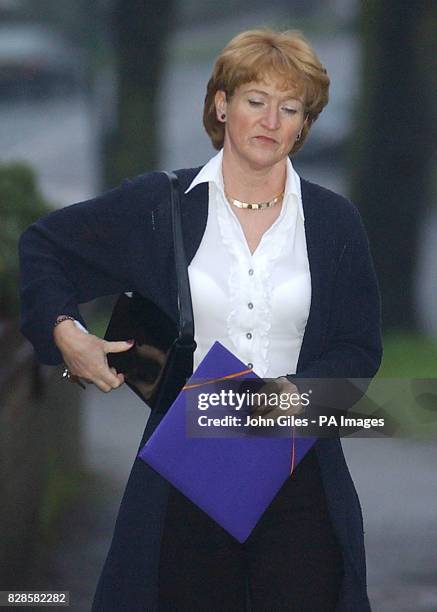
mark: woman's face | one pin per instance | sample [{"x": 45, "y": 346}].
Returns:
[{"x": 262, "y": 122}]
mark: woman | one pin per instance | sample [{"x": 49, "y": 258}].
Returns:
[{"x": 280, "y": 273}]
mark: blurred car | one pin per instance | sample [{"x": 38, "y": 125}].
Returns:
[{"x": 37, "y": 62}]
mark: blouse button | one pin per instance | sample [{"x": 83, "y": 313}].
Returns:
[
  {"x": 249, "y": 336},
  {"x": 251, "y": 272},
  {"x": 250, "y": 366},
  {"x": 250, "y": 305}
]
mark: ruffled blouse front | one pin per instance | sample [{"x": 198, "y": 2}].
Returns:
[{"x": 256, "y": 305}]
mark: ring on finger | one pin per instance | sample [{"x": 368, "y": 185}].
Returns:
[{"x": 67, "y": 375}]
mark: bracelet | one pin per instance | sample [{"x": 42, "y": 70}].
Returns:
[{"x": 62, "y": 318}]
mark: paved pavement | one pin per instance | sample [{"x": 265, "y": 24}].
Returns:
[{"x": 397, "y": 484}]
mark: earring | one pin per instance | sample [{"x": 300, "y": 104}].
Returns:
[
  {"x": 299, "y": 136},
  {"x": 223, "y": 116}
]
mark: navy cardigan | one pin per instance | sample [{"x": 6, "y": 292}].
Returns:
[{"x": 122, "y": 241}]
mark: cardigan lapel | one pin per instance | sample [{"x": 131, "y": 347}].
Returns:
[
  {"x": 194, "y": 211},
  {"x": 319, "y": 257}
]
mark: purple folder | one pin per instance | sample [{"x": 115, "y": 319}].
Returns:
[{"x": 233, "y": 479}]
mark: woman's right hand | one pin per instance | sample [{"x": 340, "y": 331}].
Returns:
[{"x": 85, "y": 355}]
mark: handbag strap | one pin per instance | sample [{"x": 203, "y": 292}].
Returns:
[{"x": 185, "y": 306}]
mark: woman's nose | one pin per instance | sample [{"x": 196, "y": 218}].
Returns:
[{"x": 271, "y": 118}]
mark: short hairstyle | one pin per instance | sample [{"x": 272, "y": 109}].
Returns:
[{"x": 255, "y": 55}]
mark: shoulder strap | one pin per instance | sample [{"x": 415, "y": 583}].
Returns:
[{"x": 186, "y": 319}]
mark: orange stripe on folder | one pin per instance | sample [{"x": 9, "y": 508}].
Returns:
[{"x": 214, "y": 380}]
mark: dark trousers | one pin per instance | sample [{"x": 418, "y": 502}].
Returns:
[{"x": 291, "y": 562}]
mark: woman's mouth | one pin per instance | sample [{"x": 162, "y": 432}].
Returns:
[{"x": 265, "y": 139}]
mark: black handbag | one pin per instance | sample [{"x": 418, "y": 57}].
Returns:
[{"x": 159, "y": 364}]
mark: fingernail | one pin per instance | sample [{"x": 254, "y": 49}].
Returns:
[{"x": 131, "y": 341}]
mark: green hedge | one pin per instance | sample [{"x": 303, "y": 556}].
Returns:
[{"x": 21, "y": 203}]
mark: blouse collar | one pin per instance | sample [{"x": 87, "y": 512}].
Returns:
[{"x": 211, "y": 172}]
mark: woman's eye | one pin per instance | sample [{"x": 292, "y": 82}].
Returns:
[
  {"x": 290, "y": 111},
  {"x": 255, "y": 102}
]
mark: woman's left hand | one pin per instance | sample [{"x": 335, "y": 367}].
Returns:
[{"x": 283, "y": 398}]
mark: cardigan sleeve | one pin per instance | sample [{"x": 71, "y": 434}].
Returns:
[
  {"x": 353, "y": 347},
  {"x": 68, "y": 257}
]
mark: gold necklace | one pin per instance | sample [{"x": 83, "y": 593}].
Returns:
[{"x": 257, "y": 206}]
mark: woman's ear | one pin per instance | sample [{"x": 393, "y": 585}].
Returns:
[{"x": 220, "y": 105}]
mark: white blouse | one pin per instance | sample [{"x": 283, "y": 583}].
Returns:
[{"x": 256, "y": 305}]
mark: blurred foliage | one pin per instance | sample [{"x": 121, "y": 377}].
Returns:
[
  {"x": 21, "y": 203},
  {"x": 408, "y": 359},
  {"x": 409, "y": 355}
]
